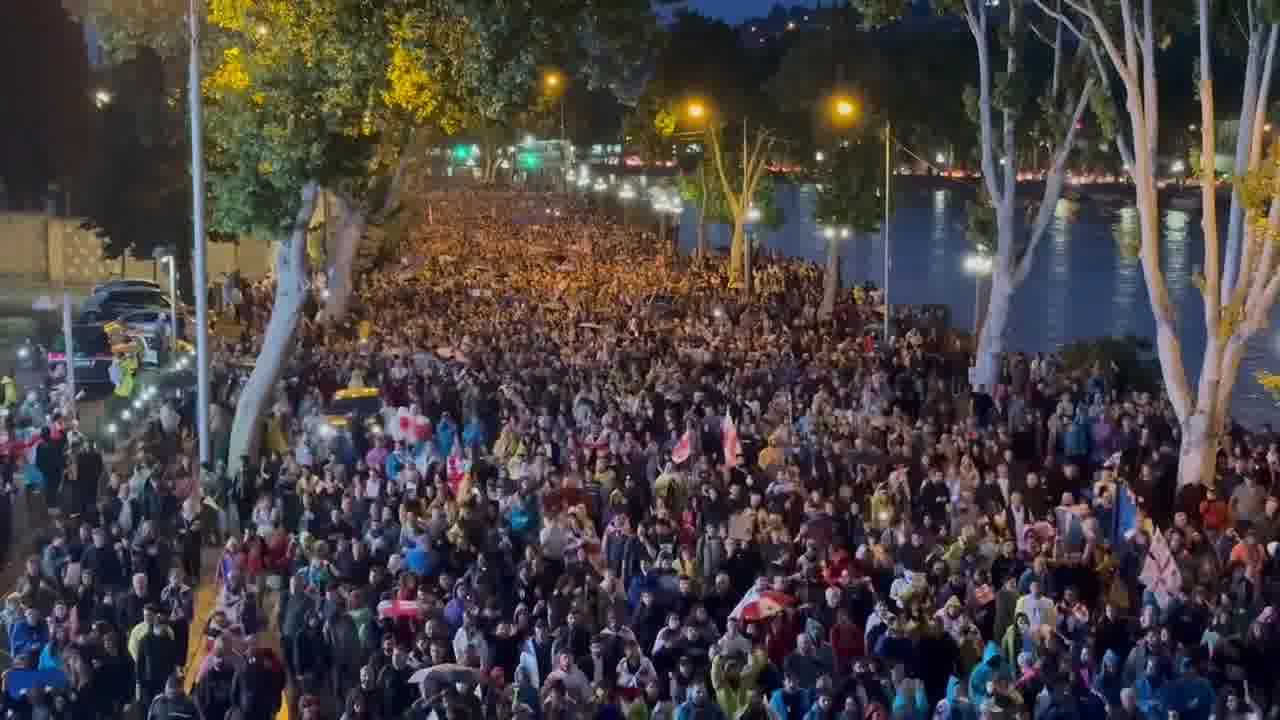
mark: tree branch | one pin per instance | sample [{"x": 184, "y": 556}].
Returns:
[
  {"x": 1052, "y": 187},
  {"x": 1150, "y": 91}
]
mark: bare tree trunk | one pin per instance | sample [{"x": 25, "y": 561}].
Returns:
[
  {"x": 352, "y": 222},
  {"x": 291, "y": 296},
  {"x": 991, "y": 338},
  {"x": 830, "y": 280},
  {"x": 737, "y": 247},
  {"x": 704, "y": 243}
]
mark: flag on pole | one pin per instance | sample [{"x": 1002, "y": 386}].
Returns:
[
  {"x": 681, "y": 451},
  {"x": 1126, "y": 514},
  {"x": 732, "y": 444},
  {"x": 1160, "y": 573}
]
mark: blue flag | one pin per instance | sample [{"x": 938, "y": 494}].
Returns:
[{"x": 1126, "y": 514}]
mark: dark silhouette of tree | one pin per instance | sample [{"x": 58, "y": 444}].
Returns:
[{"x": 45, "y": 80}]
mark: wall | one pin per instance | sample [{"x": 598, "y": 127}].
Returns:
[{"x": 57, "y": 251}]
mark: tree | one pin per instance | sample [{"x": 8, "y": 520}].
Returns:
[
  {"x": 137, "y": 196},
  {"x": 702, "y": 190},
  {"x": 738, "y": 185},
  {"x": 1007, "y": 91},
  {"x": 850, "y": 203},
  {"x": 1241, "y": 277},
  {"x": 45, "y": 129}
]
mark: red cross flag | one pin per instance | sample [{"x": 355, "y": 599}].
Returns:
[{"x": 1160, "y": 573}]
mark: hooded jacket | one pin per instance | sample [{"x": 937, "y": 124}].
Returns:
[{"x": 993, "y": 664}]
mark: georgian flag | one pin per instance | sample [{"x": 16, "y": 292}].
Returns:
[
  {"x": 681, "y": 451},
  {"x": 1160, "y": 573},
  {"x": 732, "y": 444}
]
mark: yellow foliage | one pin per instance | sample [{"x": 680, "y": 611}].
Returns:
[
  {"x": 229, "y": 77},
  {"x": 230, "y": 14},
  {"x": 410, "y": 87},
  {"x": 1269, "y": 382}
]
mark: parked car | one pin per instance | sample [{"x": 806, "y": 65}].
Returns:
[
  {"x": 152, "y": 321},
  {"x": 91, "y": 355},
  {"x": 132, "y": 284},
  {"x": 111, "y": 304}
]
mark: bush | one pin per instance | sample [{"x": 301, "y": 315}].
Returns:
[{"x": 1134, "y": 357}]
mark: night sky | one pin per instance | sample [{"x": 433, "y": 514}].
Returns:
[{"x": 734, "y": 11}]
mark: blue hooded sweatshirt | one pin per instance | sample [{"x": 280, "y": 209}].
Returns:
[
  {"x": 954, "y": 708},
  {"x": 1110, "y": 681},
  {"x": 1191, "y": 696},
  {"x": 992, "y": 665}
]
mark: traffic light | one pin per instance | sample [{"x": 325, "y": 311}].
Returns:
[{"x": 530, "y": 160}]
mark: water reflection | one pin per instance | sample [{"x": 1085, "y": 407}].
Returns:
[
  {"x": 1083, "y": 284},
  {"x": 1059, "y": 261},
  {"x": 1126, "y": 232}
]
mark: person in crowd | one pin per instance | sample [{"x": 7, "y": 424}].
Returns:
[{"x": 532, "y": 478}]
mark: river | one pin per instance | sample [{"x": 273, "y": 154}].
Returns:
[{"x": 1083, "y": 284}]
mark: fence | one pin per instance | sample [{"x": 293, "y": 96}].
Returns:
[{"x": 58, "y": 251}]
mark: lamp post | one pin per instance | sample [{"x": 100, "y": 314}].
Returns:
[
  {"x": 626, "y": 194},
  {"x": 167, "y": 257},
  {"x": 554, "y": 83},
  {"x": 845, "y": 111},
  {"x": 748, "y": 249},
  {"x": 198, "y": 280}
]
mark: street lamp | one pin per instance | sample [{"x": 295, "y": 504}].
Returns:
[
  {"x": 845, "y": 111},
  {"x": 102, "y": 98},
  {"x": 696, "y": 109},
  {"x": 554, "y": 83},
  {"x": 820, "y": 156},
  {"x": 166, "y": 256}
]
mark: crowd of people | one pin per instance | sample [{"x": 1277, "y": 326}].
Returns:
[{"x": 583, "y": 479}]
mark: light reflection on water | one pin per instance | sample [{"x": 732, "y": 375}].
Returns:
[
  {"x": 1082, "y": 285},
  {"x": 1126, "y": 273}
]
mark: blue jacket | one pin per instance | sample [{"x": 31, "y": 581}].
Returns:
[
  {"x": 951, "y": 708},
  {"x": 1150, "y": 691},
  {"x": 1193, "y": 697},
  {"x": 446, "y": 431},
  {"x": 911, "y": 708},
  {"x": 25, "y": 637},
  {"x": 709, "y": 711},
  {"x": 899, "y": 649},
  {"x": 992, "y": 664},
  {"x": 778, "y": 703}
]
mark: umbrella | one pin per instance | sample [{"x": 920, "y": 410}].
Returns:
[
  {"x": 759, "y": 605},
  {"x": 447, "y": 674},
  {"x": 397, "y": 609}
]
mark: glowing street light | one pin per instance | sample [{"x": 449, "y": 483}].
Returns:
[
  {"x": 940, "y": 158},
  {"x": 976, "y": 264},
  {"x": 102, "y": 98},
  {"x": 844, "y": 108},
  {"x": 697, "y": 109},
  {"x": 552, "y": 80},
  {"x": 820, "y": 156}
]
